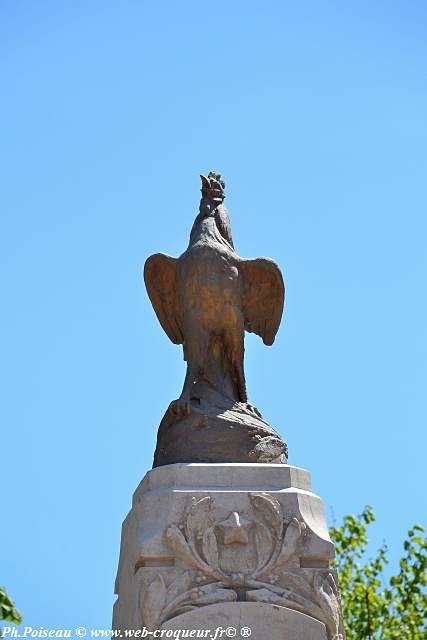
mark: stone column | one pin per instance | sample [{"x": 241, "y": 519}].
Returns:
[{"x": 228, "y": 545}]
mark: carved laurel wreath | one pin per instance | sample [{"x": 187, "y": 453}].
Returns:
[{"x": 197, "y": 543}]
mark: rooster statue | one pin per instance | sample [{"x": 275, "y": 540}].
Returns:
[{"x": 205, "y": 300}]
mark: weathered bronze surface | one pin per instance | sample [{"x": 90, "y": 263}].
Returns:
[{"x": 204, "y": 300}]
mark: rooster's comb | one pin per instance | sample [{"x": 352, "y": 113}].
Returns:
[{"x": 213, "y": 186}]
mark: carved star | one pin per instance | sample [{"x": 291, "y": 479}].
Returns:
[{"x": 235, "y": 529}]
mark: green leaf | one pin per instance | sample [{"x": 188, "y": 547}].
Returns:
[{"x": 8, "y": 610}]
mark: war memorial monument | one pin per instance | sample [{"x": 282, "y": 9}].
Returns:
[{"x": 224, "y": 538}]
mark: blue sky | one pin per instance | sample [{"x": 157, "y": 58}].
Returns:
[{"x": 315, "y": 114}]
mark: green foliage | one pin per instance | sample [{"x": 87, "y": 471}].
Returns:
[
  {"x": 373, "y": 608},
  {"x": 8, "y": 610}
]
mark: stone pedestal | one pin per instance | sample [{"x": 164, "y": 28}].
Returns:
[{"x": 228, "y": 545}]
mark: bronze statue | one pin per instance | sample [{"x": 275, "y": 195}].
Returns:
[{"x": 204, "y": 300}]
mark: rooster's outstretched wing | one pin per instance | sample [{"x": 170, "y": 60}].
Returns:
[
  {"x": 263, "y": 297},
  {"x": 160, "y": 275}
]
